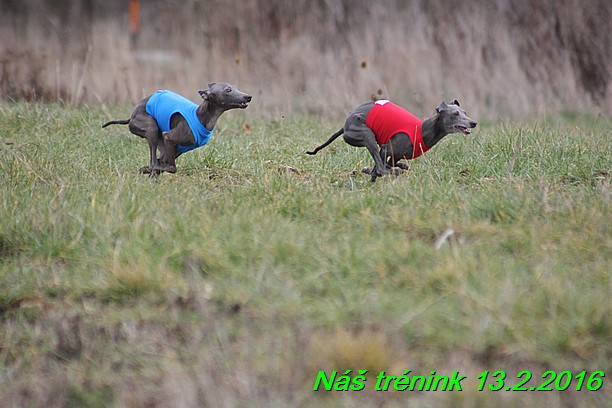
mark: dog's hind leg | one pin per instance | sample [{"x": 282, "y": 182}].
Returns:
[
  {"x": 358, "y": 134},
  {"x": 153, "y": 168},
  {"x": 144, "y": 125},
  {"x": 380, "y": 168},
  {"x": 147, "y": 128}
]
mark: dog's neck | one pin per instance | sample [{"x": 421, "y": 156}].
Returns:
[
  {"x": 432, "y": 131},
  {"x": 208, "y": 114}
]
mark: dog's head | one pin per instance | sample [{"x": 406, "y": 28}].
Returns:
[
  {"x": 454, "y": 119},
  {"x": 225, "y": 96}
]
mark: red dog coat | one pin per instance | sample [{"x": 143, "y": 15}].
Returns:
[{"x": 386, "y": 119}]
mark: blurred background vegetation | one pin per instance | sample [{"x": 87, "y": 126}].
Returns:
[{"x": 511, "y": 58}]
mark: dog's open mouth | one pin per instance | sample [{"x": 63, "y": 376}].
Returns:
[{"x": 463, "y": 129}]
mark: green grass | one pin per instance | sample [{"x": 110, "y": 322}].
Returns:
[{"x": 235, "y": 281}]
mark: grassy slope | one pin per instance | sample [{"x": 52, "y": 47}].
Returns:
[{"x": 234, "y": 281}]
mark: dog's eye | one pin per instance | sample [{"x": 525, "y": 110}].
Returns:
[
  {"x": 456, "y": 113},
  {"x": 228, "y": 90}
]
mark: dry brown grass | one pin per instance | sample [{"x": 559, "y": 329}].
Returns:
[{"x": 502, "y": 59}]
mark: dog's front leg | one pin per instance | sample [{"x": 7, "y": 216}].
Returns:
[
  {"x": 393, "y": 163},
  {"x": 179, "y": 135},
  {"x": 401, "y": 165},
  {"x": 398, "y": 148},
  {"x": 169, "y": 163}
]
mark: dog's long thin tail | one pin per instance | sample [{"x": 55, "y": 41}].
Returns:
[
  {"x": 116, "y": 122},
  {"x": 331, "y": 139}
]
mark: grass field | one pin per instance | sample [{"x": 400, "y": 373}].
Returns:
[{"x": 234, "y": 282}]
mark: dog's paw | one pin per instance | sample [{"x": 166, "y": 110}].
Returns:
[
  {"x": 381, "y": 172},
  {"x": 151, "y": 172},
  {"x": 402, "y": 166},
  {"x": 163, "y": 167},
  {"x": 367, "y": 170}
]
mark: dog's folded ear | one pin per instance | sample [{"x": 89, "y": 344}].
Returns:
[
  {"x": 204, "y": 94},
  {"x": 456, "y": 102},
  {"x": 441, "y": 107},
  {"x": 211, "y": 84}
]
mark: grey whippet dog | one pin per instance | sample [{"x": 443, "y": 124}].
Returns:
[
  {"x": 174, "y": 125},
  {"x": 391, "y": 133}
]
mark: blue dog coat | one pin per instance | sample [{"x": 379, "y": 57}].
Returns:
[{"x": 163, "y": 104}]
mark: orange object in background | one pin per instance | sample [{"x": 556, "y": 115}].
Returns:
[{"x": 134, "y": 16}]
